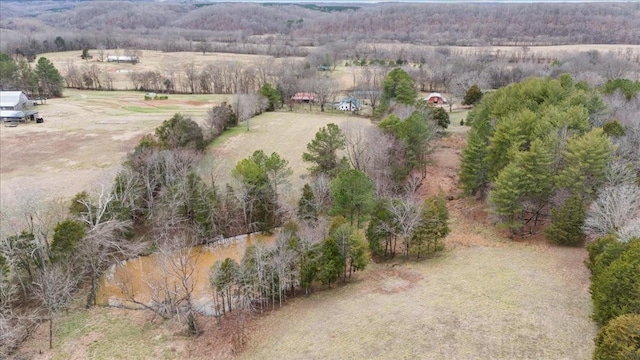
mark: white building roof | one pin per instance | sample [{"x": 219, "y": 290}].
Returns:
[
  {"x": 10, "y": 98},
  {"x": 121, "y": 58}
]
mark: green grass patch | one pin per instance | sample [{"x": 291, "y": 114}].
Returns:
[
  {"x": 228, "y": 134},
  {"x": 70, "y": 326},
  {"x": 150, "y": 110},
  {"x": 456, "y": 116},
  {"x": 120, "y": 339}
]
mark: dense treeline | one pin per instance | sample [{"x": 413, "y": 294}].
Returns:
[
  {"x": 552, "y": 152},
  {"x": 480, "y": 24},
  {"x": 175, "y": 27},
  {"x": 534, "y": 144}
]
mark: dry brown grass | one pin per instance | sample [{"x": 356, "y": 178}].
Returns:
[
  {"x": 87, "y": 134},
  {"x": 84, "y": 139},
  {"x": 151, "y": 61},
  {"x": 507, "y": 302},
  {"x": 286, "y": 133}
]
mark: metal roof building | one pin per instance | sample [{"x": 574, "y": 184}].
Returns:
[{"x": 16, "y": 106}]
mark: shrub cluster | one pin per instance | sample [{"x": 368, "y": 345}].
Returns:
[
  {"x": 615, "y": 289},
  {"x": 156, "y": 97}
]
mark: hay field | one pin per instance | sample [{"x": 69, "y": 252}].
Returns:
[
  {"x": 83, "y": 139},
  {"x": 87, "y": 134},
  {"x": 505, "y": 301},
  {"x": 286, "y": 133},
  {"x": 150, "y": 60}
]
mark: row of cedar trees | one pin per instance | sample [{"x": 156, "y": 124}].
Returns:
[{"x": 158, "y": 197}]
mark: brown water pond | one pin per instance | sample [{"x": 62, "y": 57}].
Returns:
[{"x": 142, "y": 280}]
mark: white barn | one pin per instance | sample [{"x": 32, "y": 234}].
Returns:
[{"x": 16, "y": 106}]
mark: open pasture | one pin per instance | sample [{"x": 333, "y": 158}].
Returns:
[
  {"x": 175, "y": 64},
  {"x": 84, "y": 138},
  {"x": 166, "y": 63},
  {"x": 286, "y": 133},
  {"x": 87, "y": 134},
  {"x": 504, "y": 301}
]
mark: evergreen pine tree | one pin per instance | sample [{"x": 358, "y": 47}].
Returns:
[
  {"x": 49, "y": 78},
  {"x": 586, "y": 158},
  {"x": 473, "y": 95},
  {"x": 506, "y": 196},
  {"x": 331, "y": 263},
  {"x": 307, "y": 210},
  {"x": 473, "y": 168},
  {"x": 566, "y": 223},
  {"x": 434, "y": 225}
]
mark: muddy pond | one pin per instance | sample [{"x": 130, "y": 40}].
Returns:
[{"x": 142, "y": 280}]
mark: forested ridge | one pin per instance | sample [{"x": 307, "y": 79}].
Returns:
[{"x": 33, "y": 26}]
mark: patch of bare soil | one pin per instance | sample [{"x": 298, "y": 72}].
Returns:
[{"x": 392, "y": 279}]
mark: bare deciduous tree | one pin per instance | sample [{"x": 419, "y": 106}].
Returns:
[
  {"x": 321, "y": 192},
  {"x": 54, "y": 288},
  {"x": 380, "y": 168},
  {"x": 356, "y": 145},
  {"x": 406, "y": 216},
  {"x": 614, "y": 209},
  {"x": 284, "y": 265},
  {"x": 247, "y": 106},
  {"x": 171, "y": 291},
  {"x": 325, "y": 89},
  {"x": 103, "y": 245}
]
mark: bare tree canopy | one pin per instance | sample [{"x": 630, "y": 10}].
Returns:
[{"x": 214, "y": 28}]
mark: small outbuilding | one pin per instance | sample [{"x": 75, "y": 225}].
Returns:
[
  {"x": 304, "y": 97},
  {"x": 15, "y": 106},
  {"x": 436, "y": 98}
]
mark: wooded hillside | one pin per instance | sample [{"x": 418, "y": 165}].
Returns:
[{"x": 36, "y": 26}]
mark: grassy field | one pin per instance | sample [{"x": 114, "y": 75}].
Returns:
[
  {"x": 346, "y": 76},
  {"x": 286, "y": 133},
  {"x": 86, "y": 135},
  {"x": 84, "y": 139},
  {"x": 507, "y": 301},
  {"x": 150, "y": 60}
]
